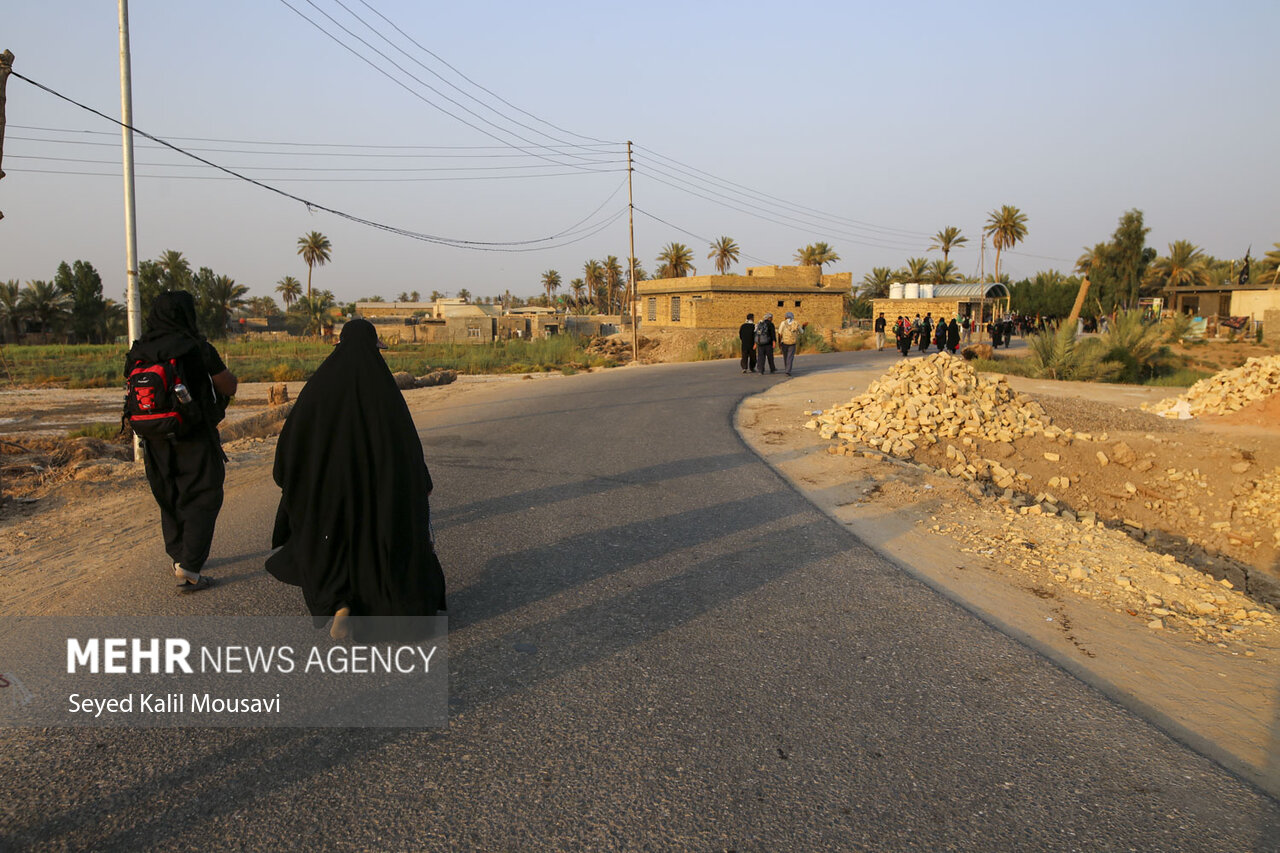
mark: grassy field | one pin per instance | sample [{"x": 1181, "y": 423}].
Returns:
[{"x": 101, "y": 366}]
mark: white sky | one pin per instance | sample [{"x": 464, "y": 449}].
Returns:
[{"x": 869, "y": 126}]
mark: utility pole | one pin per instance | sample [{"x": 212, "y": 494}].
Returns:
[
  {"x": 635, "y": 293},
  {"x": 130, "y": 222},
  {"x": 6, "y": 66}
]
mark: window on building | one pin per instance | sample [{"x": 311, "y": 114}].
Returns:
[
  {"x": 797, "y": 303},
  {"x": 675, "y": 309},
  {"x": 473, "y": 332},
  {"x": 781, "y": 302},
  {"x": 653, "y": 309}
]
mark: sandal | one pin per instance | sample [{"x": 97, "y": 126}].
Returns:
[{"x": 196, "y": 585}]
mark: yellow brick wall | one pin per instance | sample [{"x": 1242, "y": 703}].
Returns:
[{"x": 718, "y": 310}]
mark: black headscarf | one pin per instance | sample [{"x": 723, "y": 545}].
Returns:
[
  {"x": 353, "y": 516},
  {"x": 171, "y": 330}
]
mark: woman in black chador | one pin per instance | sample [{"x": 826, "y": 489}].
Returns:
[{"x": 354, "y": 518}]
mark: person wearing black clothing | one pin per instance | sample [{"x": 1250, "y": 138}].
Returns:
[
  {"x": 766, "y": 334},
  {"x": 880, "y": 324},
  {"x": 186, "y": 473},
  {"x": 926, "y": 331},
  {"x": 953, "y": 335},
  {"x": 353, "y": 525},
  {"x": 747, "y": 337}
]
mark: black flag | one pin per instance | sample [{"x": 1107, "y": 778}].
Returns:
[{"x": 1244, "y": 270}]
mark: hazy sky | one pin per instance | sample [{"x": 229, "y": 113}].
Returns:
[{"x": 868, "y": 125}]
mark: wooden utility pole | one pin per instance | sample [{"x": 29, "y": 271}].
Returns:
[
  {"x": 635, "y": 293},
  {"x": 6, "y": 66}
]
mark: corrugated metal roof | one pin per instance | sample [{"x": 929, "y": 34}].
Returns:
[{"x": 988, "y": 290}]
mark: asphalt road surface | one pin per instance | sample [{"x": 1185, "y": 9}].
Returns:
[{"x": 655, "y": 644}]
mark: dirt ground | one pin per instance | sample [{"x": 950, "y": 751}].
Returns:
[{"x": 1141, "y": 592}]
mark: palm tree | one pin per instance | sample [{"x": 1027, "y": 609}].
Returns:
[
  {"x": 319, "y": 310},
  {"x": 676, "y": 261},
  {"x": 613, "y": 276},
  {"x": 947, "y": 239},
  {"x": 725, "y": 253},
  {"x": 1270, "y": 263},
  {"x": 464, "y": 294},
  {"x": 227, "y": 296},
  {"x": 403, "y": 297},
  {"x": 579, "y": 288},
  {"x": 176, "y": 271},
  {"x": 289, "y": 289},
  {"x": 593, "y": 277},
  {"x": 1007, "y": 228},
  {"x": 1185, "y": 265},
  {"x": 942, "y": 272},
  {"x": 551, "y": 282},
  {"x": 816, "y": 255},
  {"x": 10, "y": 306},
  {"x": 415, "y": 296},
  {"x": 875, "y": 284},
  {"x": 46, "y": 304},
  {"x": 315, "y": 250},
  {"x": 917, "y": 269}
]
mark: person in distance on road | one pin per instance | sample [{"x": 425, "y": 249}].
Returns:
[
  {"x": 788, "y": 338},
  {"x": 747, "y": 337},
  {"x": 353, "y": 526}
]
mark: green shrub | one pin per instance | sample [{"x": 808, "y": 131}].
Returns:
[{"x": 103, "y": 431}]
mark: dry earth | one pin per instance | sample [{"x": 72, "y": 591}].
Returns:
[{"x": 1140, "y": 591}]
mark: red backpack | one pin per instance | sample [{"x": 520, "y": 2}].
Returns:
[{"x": 157, "y": 403}]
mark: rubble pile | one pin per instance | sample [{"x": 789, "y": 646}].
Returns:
[
  {"x": 1225, "y": 392},
  {"x": 922, "y": 401},
  {"x": 1259, "y": 505},
  {"x": 1108, "y": 566}
]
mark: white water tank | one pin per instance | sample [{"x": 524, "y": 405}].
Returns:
[
  {"x": 913, "y": 290},
  {"x": 926, "y": 291},
  {"x": 895, "y": 290}
]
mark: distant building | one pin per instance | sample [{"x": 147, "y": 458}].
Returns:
[
  {"x": 722, "y": 301},
  {"x": 978, "y": 301}
]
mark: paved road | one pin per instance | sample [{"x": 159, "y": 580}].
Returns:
[{"x": 656, "y": 644}]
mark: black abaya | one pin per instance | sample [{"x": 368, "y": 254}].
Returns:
[{"x": 353, "y": 515}]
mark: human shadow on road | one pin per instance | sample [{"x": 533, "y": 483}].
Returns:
[
  {"x": 514, "y": 580},
  {"x": 203, "y": 775},
  {"x": 592, "y": 485}
]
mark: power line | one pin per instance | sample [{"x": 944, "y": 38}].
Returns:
[
  {"x": 474, "y": 83},
  {"x": 292, "y": 153},
  {"x": 423, "y": 83},
  {"x": 399, "y": 180},
  {"x": 398, "y": 169},
  {"x": 778, "y": 218},
  {"x": 505, "y": 147},
  {"x": 695, "y": 236},
  {"x": 855, "y": 222},
  {"x": 436, "y": 74},
  {"x": 507, "y": 246}
]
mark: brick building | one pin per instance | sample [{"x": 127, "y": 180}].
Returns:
[
  {"x": 978, "y": 301},
  {"x": 722, "y": 301}
]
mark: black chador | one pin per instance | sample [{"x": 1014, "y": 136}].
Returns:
[{"x": 353, "y": 523}]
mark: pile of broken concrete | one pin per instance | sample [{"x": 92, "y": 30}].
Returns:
[
  {"x": 922, "y": 401},
  {"x": 1225, "y": 392}
]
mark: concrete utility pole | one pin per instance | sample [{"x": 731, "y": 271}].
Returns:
[
  {"x": 635, "y": 293},
  {"x": 6, "y": 66},
  {"x": 130, "y": 224}
]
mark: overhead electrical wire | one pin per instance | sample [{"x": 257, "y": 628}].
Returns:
[
  {"x": 291, "y": 153},
  {"x": 478, "y": 245},
  {"x": 443, "y": 62},
  {"x": 695, "y": 236},
  {"x": 583, "y": 165}
]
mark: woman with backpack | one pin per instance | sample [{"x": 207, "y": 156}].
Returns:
[
  {"x": 353, "y": 525},
  {"x": 176, "y": 393}
]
